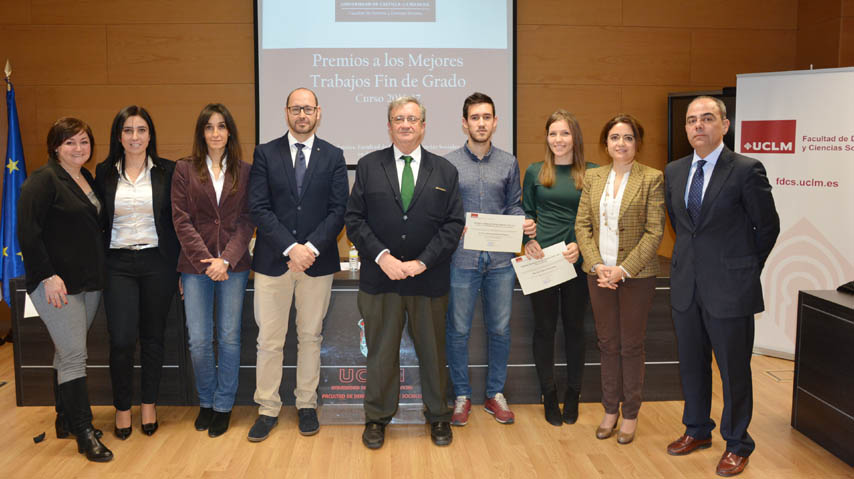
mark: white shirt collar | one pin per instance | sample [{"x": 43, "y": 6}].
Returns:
[
  {"x": 308, "y": 143},
  {"x": 416, "y": 154},
  {"x": 711, "y": 158}
]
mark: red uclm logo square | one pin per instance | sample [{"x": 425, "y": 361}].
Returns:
[{"x": 768, "y": 136}]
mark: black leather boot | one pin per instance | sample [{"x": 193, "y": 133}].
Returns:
[
  {"x": 75, "y": 402},
  {"x": 552, "y": 408},
  {"x": 61, "y": 423},
  {"x": 570, "y": 406}
]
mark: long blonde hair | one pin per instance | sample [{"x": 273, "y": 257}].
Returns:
[{"x": 547, "y": 172}]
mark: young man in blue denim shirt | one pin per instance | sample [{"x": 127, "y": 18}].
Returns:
[{"x": 489, "y": 183}]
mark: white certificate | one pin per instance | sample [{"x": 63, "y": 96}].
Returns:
[
  {"x": 500, "y": 233},
  {"x": 550, "y": 270}
]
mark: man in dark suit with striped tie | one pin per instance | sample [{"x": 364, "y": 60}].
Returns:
[
  {"x": 723, "y": 213},
  {"x": 405, "y": 217}
]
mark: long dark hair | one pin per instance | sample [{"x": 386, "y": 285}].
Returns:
[
  {"x": 117, "y": 151},
  {"x": 233, "y": 154}
]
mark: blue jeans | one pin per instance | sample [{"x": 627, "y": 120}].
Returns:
[
  {"x": 495, "y": 288},
  {"x": 216, "y": 386}
]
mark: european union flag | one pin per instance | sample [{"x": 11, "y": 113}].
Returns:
[{"x": 14, "y": 174}]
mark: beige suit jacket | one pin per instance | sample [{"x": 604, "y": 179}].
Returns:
[{"x": 640, "y": 224}]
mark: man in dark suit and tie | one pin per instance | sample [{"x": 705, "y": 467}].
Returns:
[
  {"x": 297, "y": 196},
  {"x": 721, "y": 208},
  {"x": 405, "y": 217}
]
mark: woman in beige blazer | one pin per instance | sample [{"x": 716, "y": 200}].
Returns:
[{"x": 618, "y": 228}]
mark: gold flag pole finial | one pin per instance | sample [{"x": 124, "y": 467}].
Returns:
[{"x": 8, "y": 71}]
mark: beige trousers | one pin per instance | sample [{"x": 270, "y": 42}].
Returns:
[{"x": 273, "y": 296}]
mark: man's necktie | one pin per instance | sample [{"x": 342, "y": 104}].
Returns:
[
  {"x": 407, "y": 183},
  {"x": 695, "y": 194},
  {"x": 299, "y": 167}
]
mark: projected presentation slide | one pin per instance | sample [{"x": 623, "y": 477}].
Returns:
[{"x": 359, "y": 55}]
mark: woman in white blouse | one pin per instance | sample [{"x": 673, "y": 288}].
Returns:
[
  {"x": 142, "y": 253},
  {"x": 619, "y": 226}
]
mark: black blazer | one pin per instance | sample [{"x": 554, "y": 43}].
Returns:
[
  {"x": 59, "y": 230},
  {"x": 284, "y": 217},
  {"x": 107, "y": 179},
  {"x": 720, "y": 259},
  {"x": 428, "y": 231}
]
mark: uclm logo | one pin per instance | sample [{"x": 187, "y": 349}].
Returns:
[{"x": 768, "y": 136}]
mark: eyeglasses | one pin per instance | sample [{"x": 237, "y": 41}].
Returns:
[
  {"x": 400, "y": 119},
  {"x": 309, "y": 110}
]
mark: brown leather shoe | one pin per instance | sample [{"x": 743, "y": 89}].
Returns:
[
  {"x": 731, "y": 464},
  {"x": 686, "y": 445}
]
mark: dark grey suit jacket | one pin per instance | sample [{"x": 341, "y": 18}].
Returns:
[
  {"x": 721, "y": 258},
  {"x": 428, "y": 231}
]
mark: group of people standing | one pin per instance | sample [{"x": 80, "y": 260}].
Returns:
[{"x": 142, "y": 220}]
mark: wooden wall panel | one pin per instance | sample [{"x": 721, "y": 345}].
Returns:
[
  {"x": 846, "y": 42},
  {"x": 592, "y": 105},
  {"x": 819, "y": 45},
  {"x": 50, "y": 55},
  {"x": 719, "y": 55},
  {"x": 14, "y": 12},
  {"x": 568, "y": 12},
  {"x": 174, "y": 108},
  {"x": 848, "y": 8},
  {"x": 813, "y": 12},
  {"x": 731, "y": 14},
  {"x": 162, "y": 54},
  {"x": 597, "y": 55},
  {"x": 99, "y": 12}
]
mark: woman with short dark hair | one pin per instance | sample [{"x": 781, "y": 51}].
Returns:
[{"x": 59, "y": 229}]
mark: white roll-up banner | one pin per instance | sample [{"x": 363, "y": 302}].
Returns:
[{"x": 800, "y": 124}]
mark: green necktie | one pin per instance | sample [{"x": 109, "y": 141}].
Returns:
[{"x": 407, "y": 183}]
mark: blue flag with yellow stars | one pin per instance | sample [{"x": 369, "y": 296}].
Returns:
[{"x": 14, "y": 174}]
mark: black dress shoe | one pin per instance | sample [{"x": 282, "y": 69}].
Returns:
[
  {"x": 219, "y": 423},
  {"x": 570, "y": 406},
  {"x": 203, "y": 420},
  {"x": 374, "y": 435},
  {"x": 150, "y": 428},
  {"x": 123, "y": 432},
  {"x": 308, "y": 423},
  {"x": 440, "y": 433},
  {"x": 552, "y": 409},
  {"x": 88, "y": 444}
]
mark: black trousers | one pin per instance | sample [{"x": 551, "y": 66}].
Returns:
[
  {"x": 140, "y": 287},
  {"x": 569, "y": 301},
  {"x": 385, "y": 315},
  {"x": 698, "y": 334}
]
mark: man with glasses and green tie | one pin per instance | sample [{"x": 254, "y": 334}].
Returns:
[
  {"x": 405, "y": 217},
  {"x": 297, "y": 196}
]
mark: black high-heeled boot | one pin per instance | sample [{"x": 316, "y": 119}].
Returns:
[
  {"x": 570, "y": 406},
  {"x": 90, "y": 445},
  {"x": 61, "y": 422},
  {"x": 552, "y": 408},
  {"x": 75, "y": 402}
]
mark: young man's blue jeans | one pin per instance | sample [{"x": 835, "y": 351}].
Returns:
[
  {"x": 495, "y": 288},
  {"x": 216, "y": 386}
]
